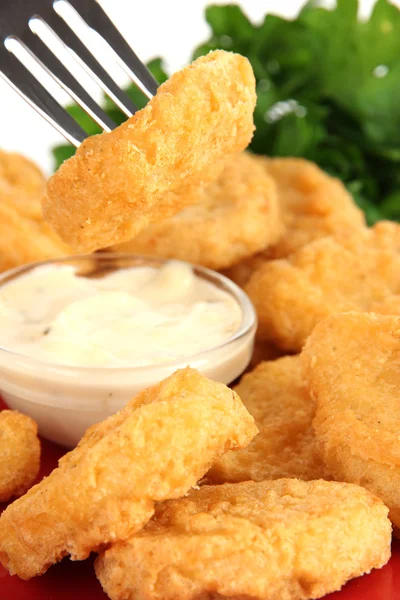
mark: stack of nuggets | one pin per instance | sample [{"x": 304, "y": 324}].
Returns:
[
  {"x": 129, "y": 490},
  {"x": 271, "y": 540},
  {"x": 156, "y": 448}
]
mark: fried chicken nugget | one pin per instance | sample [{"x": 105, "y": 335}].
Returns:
[
  {"x": 352, "y": 369},
  {"x": 331, "y": 275},
  {"x": 21, "y": 175},
  {"x": 156, "y": 448},
  {"x": 22, "y": 185},
  {"x": 19, "y": 453},
  {"x": 276, "y": 395},
  {"x": 272, "y": 540},
  {"x": 312, "y": 204},
  {"x": 231, "y": 219},
  {"x": 118, "y": 182},
  {"x": 24, "y": 240}
]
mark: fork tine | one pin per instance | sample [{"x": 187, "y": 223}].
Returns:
[
  {"x": 94, "y": 16},
  {"x": 27, "y": 86},
  {"x": 91, "y": 64},
  {"x": 66, "y": 80}
]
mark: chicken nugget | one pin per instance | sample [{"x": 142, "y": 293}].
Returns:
[
  {"x": 19, "y": 453},
  {"x": 156, "y": 448},
  {"x": 21, "y": 175},
  {"x": 276, "y": 395},
  {"x": 352, "y": 370},
  {"x": 312, "y": 204},
  {"x": 272, "y": 540},
  {"x": 230, "y": 219},
  {"x": 331, "y": 275},
  {"x": 24, "y": 240},
  {"x": 119, "y": 182},
  {"x": 22, "y": 185}
]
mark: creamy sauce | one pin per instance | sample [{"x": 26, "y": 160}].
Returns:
[{"x": 137, "y": 316}]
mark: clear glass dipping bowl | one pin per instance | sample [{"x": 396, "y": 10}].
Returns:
[{"x": 66, "y": 400}]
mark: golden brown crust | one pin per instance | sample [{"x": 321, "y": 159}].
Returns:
[
  {"x": 19, "y": 174},
  {"x": 331, "y": 275},
  {"x": 24, "y": 240},
  {"x": 276, "y": 395},
  {"x": 119, "y": 182},
  {"x": 156, "y": 448},
  {"x": 273, "y": 540},
  {"x": 19, "y": 453},
  {"x": 243, "y": 270},
  {"x": 227, "y": 221},
  {"x": 312, "y": 204},
  {"x": 24, "y": 236},
  {"x": 351, "y": 366}
]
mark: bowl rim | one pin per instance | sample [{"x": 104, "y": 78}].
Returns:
[{"x": 247, "y": 325}]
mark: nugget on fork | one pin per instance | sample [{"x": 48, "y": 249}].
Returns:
[{"x": 119, "y": 182}]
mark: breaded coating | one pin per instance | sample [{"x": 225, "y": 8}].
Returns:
[
  {"x": 328, "y": 276},
  {"x": 272, "y": 540},
  {"x": 19, "y": 453},
  {"x": 243, "y": 270},
  {"x": 156, "y": 448},
  {"x": 230, "y": 220},
  {"x": 276, "y": 395},
  {"x": 312, "y": 204},
  {"x": 19, "y": 174},
  {"x": 352, "y": 369},
  {"x": 388, "y": 306},
  {"x": 24, "y": 239},
  {"x": 120, "y": 182}
]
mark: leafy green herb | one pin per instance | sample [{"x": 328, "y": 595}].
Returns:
[{"x": 328, "y": 90}]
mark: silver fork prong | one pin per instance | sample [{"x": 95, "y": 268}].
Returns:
[
  {"x": 90, "y": 63},
  {"x": 93, "y": 15},
  {"x": 54, "y": 67},
  {"x": 27, "y": 86}
]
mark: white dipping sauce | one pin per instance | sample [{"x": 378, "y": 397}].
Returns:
[{"x": 134, "y": 317}]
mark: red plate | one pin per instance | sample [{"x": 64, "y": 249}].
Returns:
[{"x": 76, "y": 580}]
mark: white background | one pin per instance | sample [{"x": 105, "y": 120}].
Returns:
[{"x": 167, "y": 28}]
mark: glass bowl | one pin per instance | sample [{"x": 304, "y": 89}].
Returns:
[{"x": 66, "y": 400}]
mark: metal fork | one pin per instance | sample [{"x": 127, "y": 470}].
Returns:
[{"x": 17, "y": 28}]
